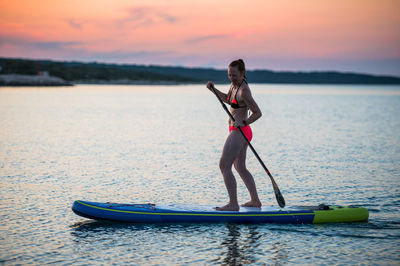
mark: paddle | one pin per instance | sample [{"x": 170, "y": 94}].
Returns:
[{"x": 278, "y": 195}]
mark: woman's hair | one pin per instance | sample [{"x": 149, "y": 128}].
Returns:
[{"x": 240, "y": 65}]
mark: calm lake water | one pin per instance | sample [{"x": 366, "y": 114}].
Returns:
[{"x": 161, "y": 144}]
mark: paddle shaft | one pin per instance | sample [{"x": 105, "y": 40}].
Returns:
[{"x": 278, "y": 194}]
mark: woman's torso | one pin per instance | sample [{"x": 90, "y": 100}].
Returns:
[{"x": 236, "y": 93}]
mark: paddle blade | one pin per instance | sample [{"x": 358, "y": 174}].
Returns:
[
  {"x": 278, "y": 194},
  {"x": 279, "y": 198}
]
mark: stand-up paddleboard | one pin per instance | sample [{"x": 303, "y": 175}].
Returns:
[{"x": 181, "y": 213}]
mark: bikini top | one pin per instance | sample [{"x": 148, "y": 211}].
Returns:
[{"x": 234, "y": 103}]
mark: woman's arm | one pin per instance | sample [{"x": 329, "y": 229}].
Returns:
[
  {"x": 249, "y": 101},
  {"x": 223, "y": 96}
]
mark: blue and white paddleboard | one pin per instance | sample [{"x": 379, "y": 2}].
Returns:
[{"x": 181, "y": 213}]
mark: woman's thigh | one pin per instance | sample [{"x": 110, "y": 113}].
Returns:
[
  {"x": 240, "y": 160},
  {"x": 232, "y": 148}
]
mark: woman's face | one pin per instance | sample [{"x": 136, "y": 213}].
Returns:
[{"x": 235, "y": 75}]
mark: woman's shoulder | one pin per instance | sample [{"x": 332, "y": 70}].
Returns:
[{"x": 245, "y": 88}]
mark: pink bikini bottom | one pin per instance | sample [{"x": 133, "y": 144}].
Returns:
[{"x": 246, "y": 130}]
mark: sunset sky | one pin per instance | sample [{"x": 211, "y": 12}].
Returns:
[{"x": 301, "y": 35}]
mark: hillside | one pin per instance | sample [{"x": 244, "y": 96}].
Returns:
[{"x": 78, "y": 72}]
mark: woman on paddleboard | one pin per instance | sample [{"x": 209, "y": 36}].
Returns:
[{"x": 234, "y": 152}]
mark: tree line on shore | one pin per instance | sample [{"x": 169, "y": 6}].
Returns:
[{"x": 79, "y": 72}]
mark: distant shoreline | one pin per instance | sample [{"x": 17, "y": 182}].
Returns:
[
  {"x": 17, "y": 80},
  {"x": 14, "y": 80},
  {"x": 131, "y": 82},
  {"x": 26, "y": 72}
]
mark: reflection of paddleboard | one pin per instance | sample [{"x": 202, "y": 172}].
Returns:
[{"x": 180, "y": 213}]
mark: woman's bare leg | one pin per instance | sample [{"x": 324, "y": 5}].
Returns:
[
  {"x": 233, "y": 145},
  {"x": 240, "y": 166}
]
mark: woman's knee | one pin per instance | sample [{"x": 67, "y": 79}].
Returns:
[
  {"x": 240, "y": 168},
  {"x": 224, "y": 165}
]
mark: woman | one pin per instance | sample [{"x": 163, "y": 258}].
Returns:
[{"x": 234, "y": 152}]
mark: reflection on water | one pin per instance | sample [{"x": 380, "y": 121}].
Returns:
[
  {"x": 240, "y": 244},
  {"x": 235, "y": 250},
  {"x": 239, "y": 247}
]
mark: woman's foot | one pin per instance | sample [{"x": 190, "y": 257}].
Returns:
[
  {"x": 256, "y": 204},
  {"x": 228, "y": 207}
]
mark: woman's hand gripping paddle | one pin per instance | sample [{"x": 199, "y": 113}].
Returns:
[{"x": 278, "y": 195}]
